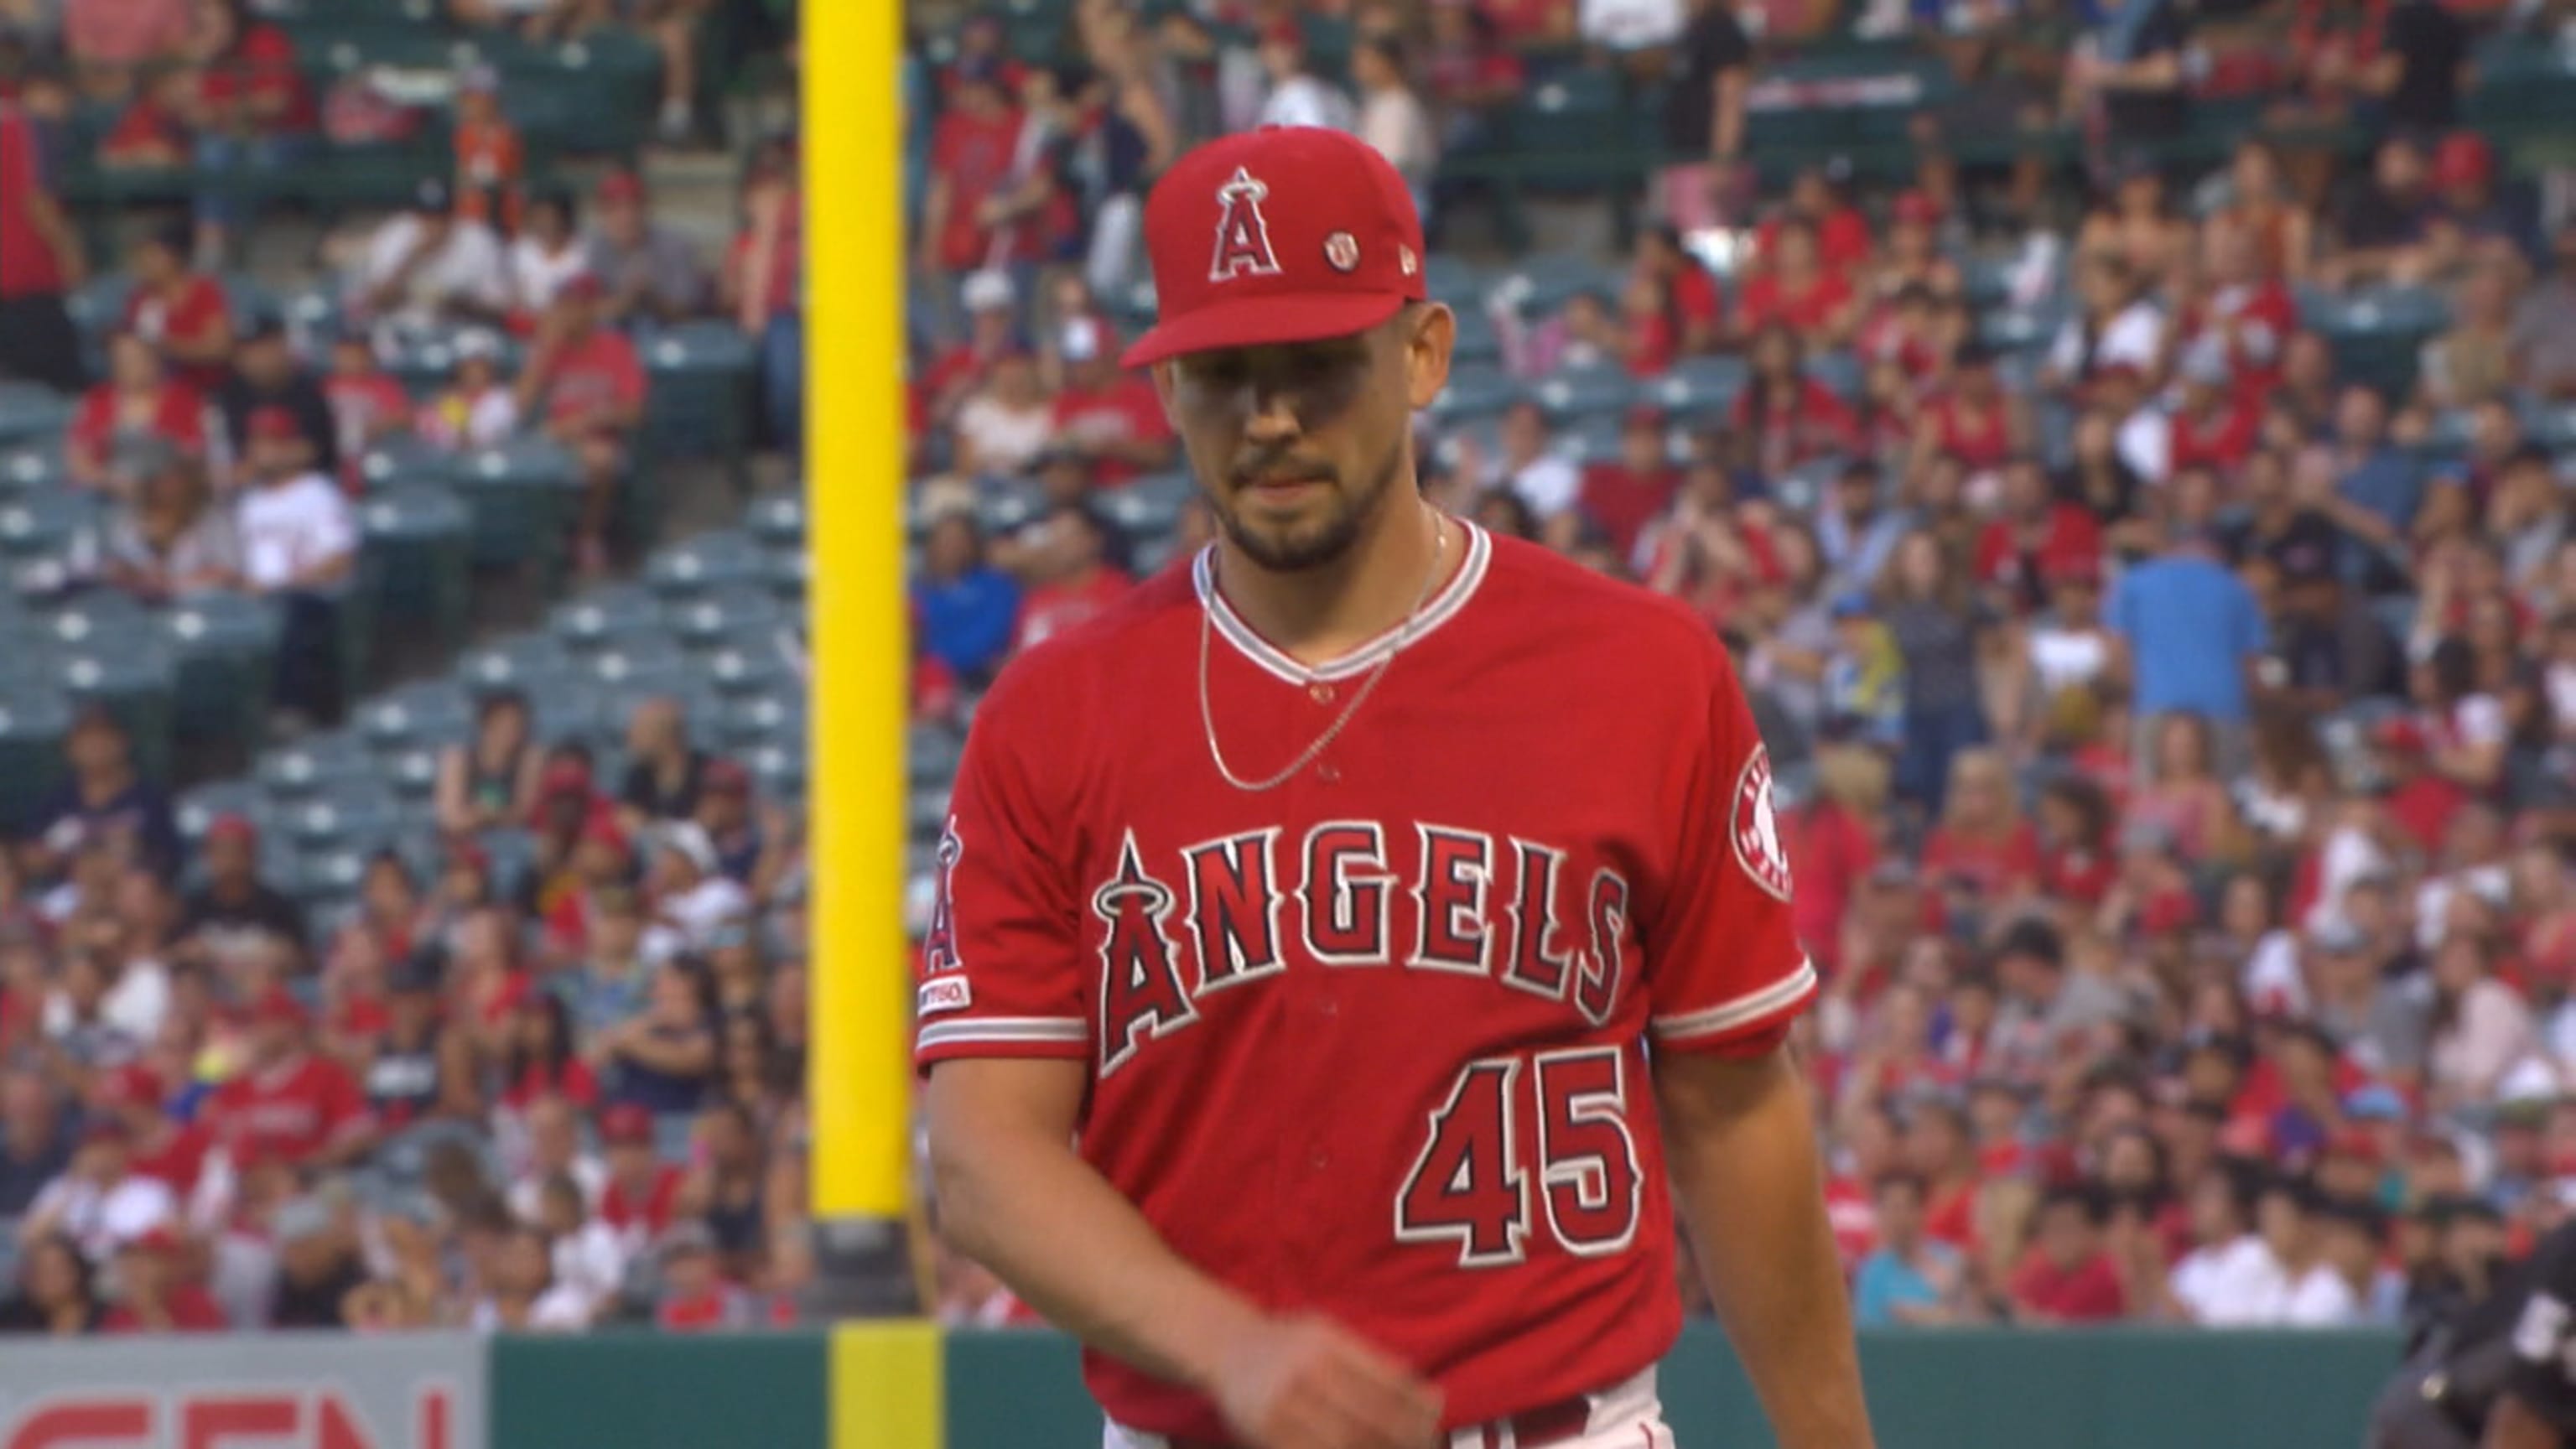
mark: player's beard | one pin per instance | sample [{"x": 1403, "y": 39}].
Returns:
[{"x": 1309, "y": 543}]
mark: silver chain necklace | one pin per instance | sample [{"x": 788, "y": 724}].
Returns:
[{"x": 1404, "y": 636}]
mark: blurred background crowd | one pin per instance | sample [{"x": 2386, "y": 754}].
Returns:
[{"x": 2127, "y": 444}]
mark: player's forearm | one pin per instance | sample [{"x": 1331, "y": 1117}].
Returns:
[
  {"x": 1742, "y": 1146},
  {"x": 1022, "y": 1204}
]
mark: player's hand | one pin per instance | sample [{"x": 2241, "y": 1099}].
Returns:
[{"x": 1308, "y": 1383}]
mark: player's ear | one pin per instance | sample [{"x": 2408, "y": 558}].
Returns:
[
  {"x": 1161, "y": 372},
  {"x": 1430, "y": 332}
]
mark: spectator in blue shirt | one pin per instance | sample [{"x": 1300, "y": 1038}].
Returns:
[
  {"x": 967, "y": 607},
  {"x": 1911, "y": 1278},
  {"x": 2192, "y": 630},
  {"x": 2372, "y": 473}
]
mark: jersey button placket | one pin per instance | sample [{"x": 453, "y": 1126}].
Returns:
[{"x": 1321, "y": 691}]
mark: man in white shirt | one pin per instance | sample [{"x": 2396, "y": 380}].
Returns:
[
  {"x": 1544, "y": 479},
  {"x": 2227, "y": 1276},
  {"x": 690, "y": 892},
  {"x": 1297, "y": 97},
  {"x": 427, "y": 265},
  {"x": 299, "y": 542},
  {"x": 101, "y": 1203}
]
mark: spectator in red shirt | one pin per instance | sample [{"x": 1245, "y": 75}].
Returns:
[
  {"x": 642, "y": 1192},
  {"x": 152, "y": 132},
  {"x": 2215, "y": 426},
  {"x": 2035, "y": 539},
  {"x": 587, "y": 384},
  {"x": 1076, "y": 582},
  {"x": 1618, "y": 499},
  {"x": 1982, "y": 849},
  {"x": 2068, "y": 1276},
  {"x": 1105, "y": 413},
  {"x": 992, "y": 332},
  {"x": 1694, "y": 312},
  {"x": 1784, "y": 417},
  {"x": 1841, "y": 232},
  {"x": 1973, "y": 420},
  {"x": 255, "y": 114},
  {"x": 111, "y": 41},
  {"x": 367, "y": 405},
  {"x": 971, "y": 152},
  {"x": 136, "y": 403},
  {"x": 161, "y": 1146},
  {"x": 1797, "y": 288},
  {"x": 154, "y": 1295},
  {"x": 288, "y": 1100},
  {"x": 40, "y": 260},
  {"x": 180, "y": 311}
]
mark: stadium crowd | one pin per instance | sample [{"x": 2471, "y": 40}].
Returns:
[{"x": 2176, "y": 707}]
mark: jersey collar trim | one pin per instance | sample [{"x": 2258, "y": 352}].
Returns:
[{"x": 1443, "y": 606}]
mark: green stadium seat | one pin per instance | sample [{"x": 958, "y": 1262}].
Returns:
[
  {"x": 41, "y": 524},
  {"x": 403, "y": 460},
  {"x": 752, "y": 667},
  {"x": 412, "y": 772},
  {"x": 571, "y": 706},
  {"x": 1476, "y": 390},
  {"x": 778, "y": 770},
  {"x": 713, "y": 619},
  {"x": 618, "y": 611},
  {"x": 526, "y": 662},
  {"x": 111, "y": 652},
  {"x": 226, "y": 646},
  {"x": 761, "y": 719},
  {"x": 930, "y": 755},
  {"x": 32, "y": 467},
  {"x": 1001, "y": 507},
  {"x": 594, "y": 95},
  {"x": 1477, "y": 340},
  {"x": 1450, "y": 278},
  {"x": 655, "y": 669},
  {"x": 786, "y": 577},
  {"x": 359, "y": 815},
  {"x": 701, "y": 377},
  {"x": 33, "y": 721},
  {"x": 1540, "y": 285},
  {"x": 523, "y": 495},
  {"x": 706, "y": 564},
  {"x": 200, "y": 807},
  {"x": 513, "y": 853},
  {"x": 926, "y": 811},
  {"x": 1582, "y": 392},
  {"x": 777, "y": 520},
  {"x": 1699, "y": 387},
  {"x": 1839, "y": 371},
  {"x": 415, "y": 571},
  {"x": 427, "y": 714},
  {"x": 317, "y": 766}
]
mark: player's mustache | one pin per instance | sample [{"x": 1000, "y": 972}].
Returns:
[{"x": 1281, "y": 468}]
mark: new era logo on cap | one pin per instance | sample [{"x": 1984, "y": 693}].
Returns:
[{"x": 1285, "y": 234}]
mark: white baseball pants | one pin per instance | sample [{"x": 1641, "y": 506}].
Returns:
[{"x": 1627, "y": 1415}]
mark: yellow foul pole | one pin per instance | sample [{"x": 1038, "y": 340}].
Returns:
[{"x": 851, "y": 139}]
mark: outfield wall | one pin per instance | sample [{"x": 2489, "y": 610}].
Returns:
[{"x": 904, "y": 1386}]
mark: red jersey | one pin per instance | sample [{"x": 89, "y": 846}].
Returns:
[
  {"x": 360, "y": 407},
  {"x": 294, "y": 1110},
  {"x": 262, "y": 67},
  {"x": 2012, "y": 554},
  {"x": 1808, "y": 310},
  {"x": 1394, "y": 1013},
  {"x": 1994, "y": 865},
  {"x": 1852, "y": 1218},
  {"x": 1126, "y": 409},
  {"x": 189, "y": 312},
  {"x": 28, "y": 266},
  {"x": 1052, "y": 609},
  {"x": 2223, "y": 439},
  {"x": 1842, "y": 238},
  {"x": 177, "y": 1160},
  {"x": 178, "y": 417},
  {"x": 191, "y": 1308},
  {"x": 599, "y": 371},
  {"x": 1831, "y": 851},
  {"x": 2089, "y": 1292},
  {"x": 1980, "y": 439},
  {"x": 641, "y": 1216},
  {"x": 973, "y": 155},
  {"x": 1620, "y": 501}
]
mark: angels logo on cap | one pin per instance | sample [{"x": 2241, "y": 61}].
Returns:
[
  {"x": 1314, "y": 236},
  {"x": 1242, "y": 232}
]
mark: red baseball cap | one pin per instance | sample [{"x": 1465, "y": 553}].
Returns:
[
  {"x": 279, "y": 1005},
  {"x": 232, "y": 826},
  {"x": 133, "y": 1084},
  {"x": 272, "y": 422},
  {"x": 626, "y": 1124},
  {"x": 2463, "y": 159},
  {"x": 1917, "y": 208},
  {"x": 620, "y": 186},
  {"x": 1284, "y": 234},
  {"x": 2400, "y": 735}
]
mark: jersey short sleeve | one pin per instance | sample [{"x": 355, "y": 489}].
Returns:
[
  {"x": 1725, "y": 971},
  {"x": 1001, "y": 968}
]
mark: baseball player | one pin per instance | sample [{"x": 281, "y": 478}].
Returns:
[{"x": 1350, "y": 944}]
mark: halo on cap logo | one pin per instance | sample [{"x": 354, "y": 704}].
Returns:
[
  {"x": 1343, "y": 250},
  {"x": 1242, "y": 232}
]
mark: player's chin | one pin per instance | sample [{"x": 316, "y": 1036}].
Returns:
[{"x": 1290, "y": 539}]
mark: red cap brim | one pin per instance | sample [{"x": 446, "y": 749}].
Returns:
[{"x": 1259, "y": 321}]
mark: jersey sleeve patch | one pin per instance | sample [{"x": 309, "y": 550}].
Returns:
[
  {"x": 1755, "y": 830},
  {"x": 945, "y": 993},
  {"x": 1740, "y": 1012}
]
